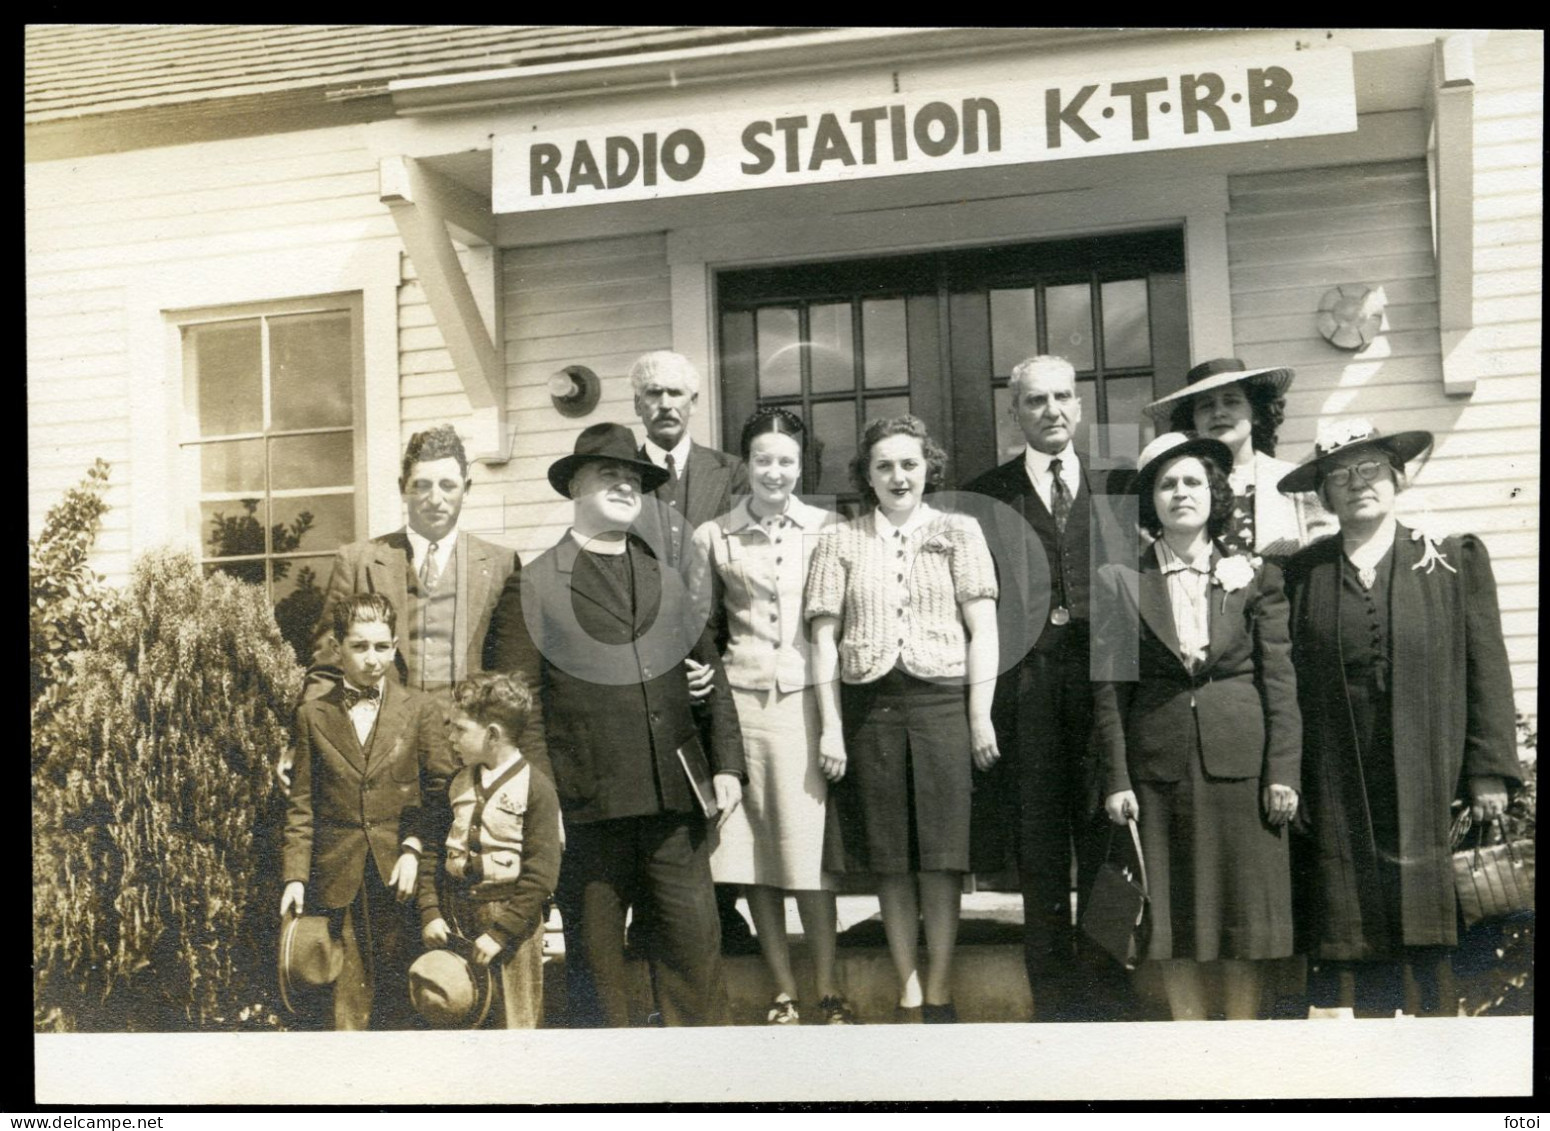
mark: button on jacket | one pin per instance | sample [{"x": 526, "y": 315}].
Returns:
[{"x": 747, "y": 578}]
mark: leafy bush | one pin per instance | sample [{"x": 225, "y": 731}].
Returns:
[{"x": 155, "y": 868}]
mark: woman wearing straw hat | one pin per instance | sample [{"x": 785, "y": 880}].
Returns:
[
  {"x": 1407, "y": 704},
  {"x": 1198, "y": 733},
  {"x": 1243, "y": 407}
]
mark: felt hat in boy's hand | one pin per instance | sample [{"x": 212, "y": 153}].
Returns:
[
  {"x": 450, "y": 990},
  {"x": 310, "y": 957}
]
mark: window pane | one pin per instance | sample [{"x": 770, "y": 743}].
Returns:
[
  {"x": 225, "y": 365},
  {"x": 737, "y": 362},
  {"x": 886, "y": 342},
  {"x": 298, "y": 600},
  {"x": 312, "y": 522},
  {"x": 325, "y": 460},
  {"x": 250, "y": 573},
  {"x": 1127, "y": 396},
  {"x": 833, "y": 432},
  {"x": 780, "y": 367},
  {"x": 1087, "y": 392},
  {"x": 832, "y": 351},
  {"x": 232, "y": 527},
  {"x": 311, "y": 368},
  {"x": 1127, "y": 340},
  {"x": 879, "y": 407},
  {"x": 1014, "y": 328},
  {"x": 1009, "y": 437},
  {"x": 1070, "y": 312},
  {"x": 235, "y": 465}
]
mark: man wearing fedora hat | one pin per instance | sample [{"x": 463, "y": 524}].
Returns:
[
  {"x": 637, "y": 785},
  {"x": 1047, "y": 537}
]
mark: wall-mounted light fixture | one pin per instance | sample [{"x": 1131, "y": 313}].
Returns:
[
  {"x": 1351, "y": 315},
  {"x": 574, "y": 390}
]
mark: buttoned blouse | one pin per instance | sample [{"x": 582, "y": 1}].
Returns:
[
  {"x": 751, "y": 574},
  {"x": 898, "y": 592},
  {"x": 1189, "y": 595}
]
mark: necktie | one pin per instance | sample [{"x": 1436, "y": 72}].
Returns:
[
  {"x": 672, "y": 466},
  {"x": 1060, "y": 496},
  {"x": 354, "y": 695},
  {"x": 428, "y": 571}
]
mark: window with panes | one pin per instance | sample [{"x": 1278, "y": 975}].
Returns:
[
  {"x": 937, "y": 334},
  {"x": 269, "y": 447}
]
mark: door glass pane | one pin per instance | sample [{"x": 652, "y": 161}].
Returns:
[
  {"x": 832, "y": 428},
  {"x": 235, "y": 465},
  {"x": 885, "y": 340},
  {"x": 780, "y": 368},
  {"x": 878, "y": 408},
  {"x": 226, "y": 365},
  {"x": 312, "y": 522},
  {"x": 1127, "y": 396},
  {"x": 311, "y": 370},
  {"x": 298, "y": 600},
  {"x": 1009, "y": 437},
  {"x": 1014, "y": 328},
  {"x": 831, "y": 349},
  {"x": 1070, "y": 312},
  {"x": 1087, "y": 392},
  {"x": 737, "y": 362},
  {"x": 324, "y": 459},
  {"x": 1127, "y": 340},
  {"x": 232, "y": 527}
]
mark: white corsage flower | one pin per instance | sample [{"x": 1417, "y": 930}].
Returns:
[
  {"x": 1233, "y": 573},
  {"x": 1432, "y": 557}
]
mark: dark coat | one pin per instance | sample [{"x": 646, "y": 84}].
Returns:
[
  {"x": 347, "y": 803},
  {"x": 1242, "y": 702},
  {"x": 715, "y": 480},
  {"x": 615, "y": 688},
  {"x": 1453, "y": 719}
]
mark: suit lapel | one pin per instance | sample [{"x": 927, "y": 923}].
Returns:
[
  {"x": 707, "y": 484},
  {"x": 391, "y": 717},
  {"x": 340, "y": 730},
  {"x": 473, "y": 573},
  {"x": 648, "y": 587},
  {"x": 388, "y": 570},
  {"x": 1224, "y": 612},
  {"x": 611, "y": 599},
  {"x": 1156, "y": 610}
]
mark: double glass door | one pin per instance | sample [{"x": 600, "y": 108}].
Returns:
[{"x": 937, "y": 334}]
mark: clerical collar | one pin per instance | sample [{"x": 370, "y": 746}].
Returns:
[
  {"x": 680, "y": 452},
  {"x": 608, "y": 547}
]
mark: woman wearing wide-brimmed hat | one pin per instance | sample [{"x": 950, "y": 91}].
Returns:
[
  {"x": 1197, "y": 731},
  {"x": 1242, "y": 406},
  {"x": 1407, "y": 704}
]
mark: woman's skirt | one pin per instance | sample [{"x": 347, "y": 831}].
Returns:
[
  {"x": 903, "y": 804},
  {"x": 1219, "y": 876},
  {"x": 775, "y": 837}
]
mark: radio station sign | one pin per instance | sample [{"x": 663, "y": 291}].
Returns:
[{"x": 1030, "y": 119}]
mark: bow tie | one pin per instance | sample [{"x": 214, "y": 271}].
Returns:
[{"x": 353, "y": 695}]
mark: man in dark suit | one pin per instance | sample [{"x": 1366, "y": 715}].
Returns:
[
  {"x": 443, "y": 583},
  {"x": 1045, "y": 535},
  {"x": 637, "y": 787},
  {"x": 701, "y": 484}
]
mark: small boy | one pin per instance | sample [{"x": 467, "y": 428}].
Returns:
[
  {"x": 369, "y": 758},
  {"x": 502, "y": 849}
]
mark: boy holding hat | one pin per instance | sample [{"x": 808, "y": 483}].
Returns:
[
  {"x": 502, "y": 851},
  {"x": 369, "y": 757}
]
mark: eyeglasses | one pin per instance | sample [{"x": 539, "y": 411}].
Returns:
[{"x": 1368, "y": 469}]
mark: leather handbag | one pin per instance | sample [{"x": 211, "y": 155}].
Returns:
[
  {"x": 1115, "y": 915},
  {"x": 1492, "y": 881}
]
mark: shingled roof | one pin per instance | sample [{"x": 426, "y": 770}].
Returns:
[{"x": 75, "y": 70}]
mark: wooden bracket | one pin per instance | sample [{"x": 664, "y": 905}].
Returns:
[
  {"x": 428, "y": 207},
  {"x": 1451, "y": 163}
]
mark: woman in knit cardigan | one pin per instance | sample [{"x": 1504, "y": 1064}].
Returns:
[{"x": 902, "y": 603}]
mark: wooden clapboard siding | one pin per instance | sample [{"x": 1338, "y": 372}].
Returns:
[
  {"x": 1292, "y": 236},
  {"x": 98, "y": 229}
]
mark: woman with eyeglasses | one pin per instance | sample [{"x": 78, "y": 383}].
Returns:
[{"x": 1406, "y": 699}]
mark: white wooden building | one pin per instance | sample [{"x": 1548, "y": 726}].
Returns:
[{"x": 259, "y": 257}]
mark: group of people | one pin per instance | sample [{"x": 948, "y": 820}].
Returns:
[{"x": 710, "y": 686}]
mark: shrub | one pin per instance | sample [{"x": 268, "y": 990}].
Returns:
[{"x": 156, "y": 874}]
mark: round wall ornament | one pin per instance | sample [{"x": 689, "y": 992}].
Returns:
[{"x": 1351, "y": 315}]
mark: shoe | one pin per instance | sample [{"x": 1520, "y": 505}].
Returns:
[
  {"x": 837, "y": 1011},
  {"x": 906, "y": 1015},
  {"x": 783, "y": 1011},
  {"x": 939, "y": 1014}
]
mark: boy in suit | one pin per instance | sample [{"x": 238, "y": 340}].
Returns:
[
  {"x": 369, "y": 755},
  {"x": 502, "y": 855}
]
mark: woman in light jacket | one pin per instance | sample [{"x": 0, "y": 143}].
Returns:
[{"x": 1198, "y": 731}]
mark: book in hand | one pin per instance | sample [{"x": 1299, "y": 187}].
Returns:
[{"x": 697, "y": 770}]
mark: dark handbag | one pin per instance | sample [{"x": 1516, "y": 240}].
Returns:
[
  {"x": 1115, "y": 915},
  {"x": 1492, "y": 881}
]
